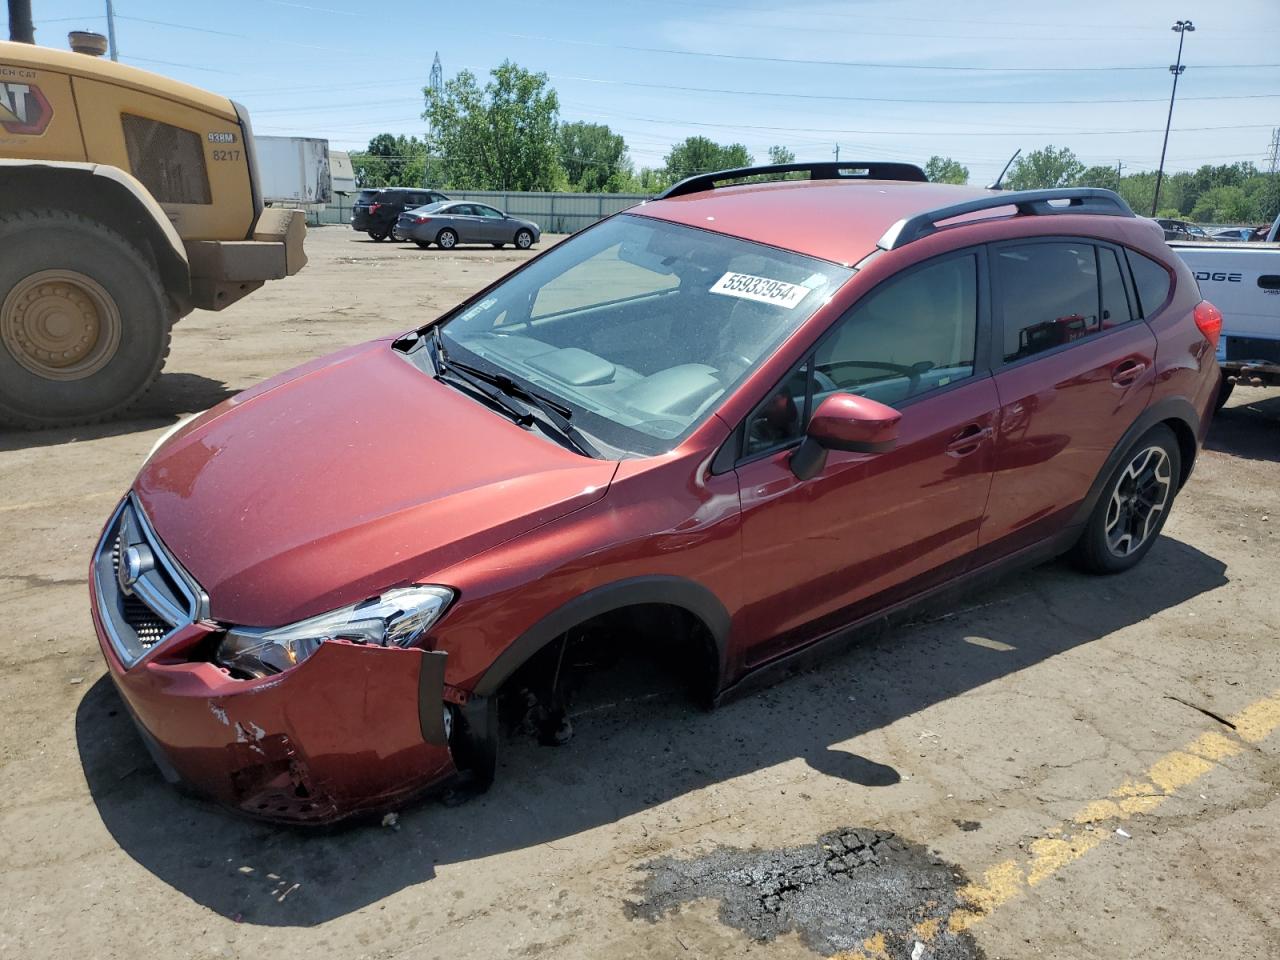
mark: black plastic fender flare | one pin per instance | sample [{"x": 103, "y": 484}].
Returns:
[{"x": 670, "y": 590}]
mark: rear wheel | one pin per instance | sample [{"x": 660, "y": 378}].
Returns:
[
  {"x": 378, "y": 235},
  {"x": 1133, "y": 506},
  {"x": 422, "y": 244},
  {"x": 447, "y": 239},
  {"x": 84, "y": 322},
  {"x": 524, "y": 239},
  {"x": 498, "y": 246}
]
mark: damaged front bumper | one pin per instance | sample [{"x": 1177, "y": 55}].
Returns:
[{"x": 353, "y": 728}]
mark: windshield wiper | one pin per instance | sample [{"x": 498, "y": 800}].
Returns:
[
  {"x": 554, "y": 414},
  {"x": 449, "y": 370}
]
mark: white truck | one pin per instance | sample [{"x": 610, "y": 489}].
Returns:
[{"x": 1243, "y": 281}]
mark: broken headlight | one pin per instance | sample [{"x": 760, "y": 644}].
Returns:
[{"x": 396, "y": 618}]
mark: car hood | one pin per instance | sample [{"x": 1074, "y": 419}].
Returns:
[{"x": 349, "y": 475}]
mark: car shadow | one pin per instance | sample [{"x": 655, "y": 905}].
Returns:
[
  {"x": 642, "y": 748},
  {"x": 1249, "y": 429},
  {"x": 173, "y": 395}
]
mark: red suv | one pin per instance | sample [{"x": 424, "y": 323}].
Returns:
[{"x": 738, "y": 422}]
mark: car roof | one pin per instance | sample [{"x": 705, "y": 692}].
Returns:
[{"x": 834, "y": 220}]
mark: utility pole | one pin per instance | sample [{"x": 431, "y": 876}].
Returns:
[
  {"x": 21, "y": 29},
  {"x": 1182, "y": 28},
  {"x": 1273, "y": 168},
  {"x": 1119, "y": 168},
  {"x": 837, "y": 153},
  {"x": 111, "y": 30}
]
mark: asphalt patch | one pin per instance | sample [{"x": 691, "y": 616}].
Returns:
[{"x": 851, "y": 886}]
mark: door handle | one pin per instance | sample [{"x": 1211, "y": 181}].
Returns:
[
  {"x": 1127, "y": 372},
  {"x": 968, "y": 440}
]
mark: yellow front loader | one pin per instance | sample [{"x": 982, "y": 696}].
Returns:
[{"x": 126, "y": 201}]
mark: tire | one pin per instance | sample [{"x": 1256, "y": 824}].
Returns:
[
  {"x": 1225, "y": 389},
  {"x": 60, "y": 270},
  {"x": 524, "y": 239},
  {"x": 447, "y": 239},
  {"x": 422, "y": 244},
  {"x": 378, "y": 235},
  {"x": 498, "y": 246},
  {"x": 1133, "y": 506}
]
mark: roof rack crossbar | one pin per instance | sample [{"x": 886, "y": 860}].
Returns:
[
  {"x": 1040, "y": 203},
  {"x": 823, "y": 170}
]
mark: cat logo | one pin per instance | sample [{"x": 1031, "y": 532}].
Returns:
[{"x": 24, "y": 109}]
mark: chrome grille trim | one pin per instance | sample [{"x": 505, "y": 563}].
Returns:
[{"x": 140, "y": 616}]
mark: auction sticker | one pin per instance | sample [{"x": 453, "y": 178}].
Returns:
[{"x": 761, "y": 289}]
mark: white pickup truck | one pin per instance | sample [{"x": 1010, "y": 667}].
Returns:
[{"x": 1243, "y": 281}]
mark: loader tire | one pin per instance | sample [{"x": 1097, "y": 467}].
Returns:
[{"x": 84, "y": 320}]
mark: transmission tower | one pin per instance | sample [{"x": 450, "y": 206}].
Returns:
[
  {"x": 436, "y": 83},
  {"x": 1273, "y": 169}
]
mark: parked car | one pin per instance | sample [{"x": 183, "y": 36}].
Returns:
[
  {"x": 1245, "y": 283},
  {"x": 1241, "y": 234},
  {"x": 1181, "y": 230},
  {"x": 375, "y": 211},
  {"x": 731, "y": 427},
  {"x": 449, "y": 224}
]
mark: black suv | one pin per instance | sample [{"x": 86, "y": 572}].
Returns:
[{"x": 376, "y": 211}]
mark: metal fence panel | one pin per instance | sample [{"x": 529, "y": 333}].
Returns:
[{"x": 553, "y": 212}]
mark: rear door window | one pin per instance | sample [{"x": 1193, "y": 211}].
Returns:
[
  {"x": 1151, "y": 280},
  {"x": 1048, "y": 295}
]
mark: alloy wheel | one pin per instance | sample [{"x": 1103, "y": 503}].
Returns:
[{"x": 1138, "y": 500}]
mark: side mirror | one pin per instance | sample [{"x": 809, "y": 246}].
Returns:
[{"x": 845, "y": 422}]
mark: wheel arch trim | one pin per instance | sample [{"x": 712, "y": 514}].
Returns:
[
  {"x": 681, "y": 592},
  {"x": 1175, "y": 409}
]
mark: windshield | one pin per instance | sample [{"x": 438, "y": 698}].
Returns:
[
  {"x": 367, "y": 196},
  {"x": 640, "y": 327}
]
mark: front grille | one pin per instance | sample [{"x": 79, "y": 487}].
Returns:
[{"x": 150, "y": 603}]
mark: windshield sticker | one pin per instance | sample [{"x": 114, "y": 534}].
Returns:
[
  {"x": 761, "y": 289},
  {"x": 478, "y": 308}
]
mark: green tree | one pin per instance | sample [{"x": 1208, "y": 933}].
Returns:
[
  {"x": 781, "y": 155},
  {"x": 1099, "y": 175},
  {"x": 1223, "y": 204},
  {"x": 648, "y": 180},
  {"x": 701, "y": 155},
  {"x": 945, "y": 170},
  {"x": 594, "y": 157},
  {"x": 1048, "y": 167},
  {"x": 391, "y": 161},
  {"x": 501, "y": 137}
]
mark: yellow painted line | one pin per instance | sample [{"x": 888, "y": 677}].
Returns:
[
  {"x": 1066, "y": 843},
  {"x": 59, "y": 501}
]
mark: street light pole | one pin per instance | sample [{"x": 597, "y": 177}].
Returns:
[
  {"x": 111, "y": 30},
  {"x": 1182, "y": 28}
]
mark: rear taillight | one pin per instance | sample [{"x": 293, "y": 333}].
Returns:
[
  {"x": 1209, "y": 320},
  {"x": 373, "y": 207},
  {"x": 421, "y": 219}
]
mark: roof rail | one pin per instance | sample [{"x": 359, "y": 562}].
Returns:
[
  {"x": 822, "y": 170},
  {"x": 1092, "y": 200}
]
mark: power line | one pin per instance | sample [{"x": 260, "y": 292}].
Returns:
[{"x": 873, "y": 65}]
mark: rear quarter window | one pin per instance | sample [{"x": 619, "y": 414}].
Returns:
[{"x": 1151, "y": 280}]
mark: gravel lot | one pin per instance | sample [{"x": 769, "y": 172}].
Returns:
[{"x": 1039, "y": 772}]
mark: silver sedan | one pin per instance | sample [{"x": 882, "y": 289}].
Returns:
[{"x": 451, "y": 222}]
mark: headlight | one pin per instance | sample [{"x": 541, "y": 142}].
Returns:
[{"x": 398, "y": 617}]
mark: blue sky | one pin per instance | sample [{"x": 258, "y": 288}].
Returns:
[{"x": 661, "y": 70}]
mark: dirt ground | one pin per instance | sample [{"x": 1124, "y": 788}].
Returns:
[{"x": 1061, "y": 766}]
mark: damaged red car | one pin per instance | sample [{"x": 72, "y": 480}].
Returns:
[{"x": 737, "y": 423}]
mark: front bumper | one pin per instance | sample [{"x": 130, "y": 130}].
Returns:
[
  {"x": 351, "y": 729},
  {"x": 224, "y": 271}
]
